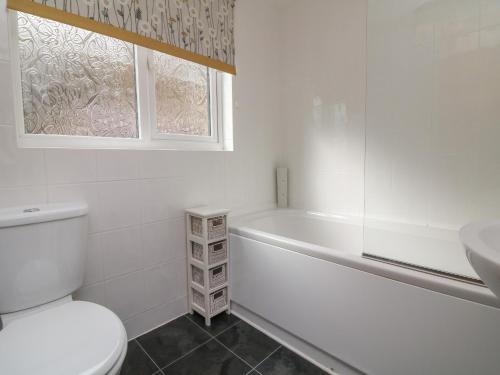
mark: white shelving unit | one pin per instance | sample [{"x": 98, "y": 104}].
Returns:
[{"x": 208, "y": 261}]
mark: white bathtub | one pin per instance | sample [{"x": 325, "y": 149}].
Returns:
[{"x": 305, "y": 275}]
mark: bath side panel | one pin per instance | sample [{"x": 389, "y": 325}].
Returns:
[{"x": 375, "y": 324}]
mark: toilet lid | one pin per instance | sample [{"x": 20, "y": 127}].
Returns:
[{"x": 73, "y": 338}]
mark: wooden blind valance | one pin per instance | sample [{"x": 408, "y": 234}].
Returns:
[{"x": 201, "y": 31}]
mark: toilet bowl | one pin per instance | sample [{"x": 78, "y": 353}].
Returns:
[
  {"x": 67, "y": 337},
  {"x": 44, "y": 331}
]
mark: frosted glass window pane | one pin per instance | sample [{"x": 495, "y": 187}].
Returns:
[
  {"x": 182, "y": 96},
  {"x": 75, "y": 82}
]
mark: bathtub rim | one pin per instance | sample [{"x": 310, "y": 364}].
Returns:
[{"x": 239, "y": 225}]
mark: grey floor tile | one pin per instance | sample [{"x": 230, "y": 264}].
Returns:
[
  {"x": 218, "y": 324},
  {"x": 286, "y": 362},
  {"x": 209, "y": 359},
  {"x": 173, "y": 340},
  {"x": 248, "y": 343},
  {"x": 137, "y": 362}
]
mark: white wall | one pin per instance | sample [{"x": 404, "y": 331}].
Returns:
[
  {"x": 136, "y": 260},
  {"x": 323, "y": 103}
]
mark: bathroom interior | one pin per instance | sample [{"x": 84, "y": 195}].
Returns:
[{"x": 260, "y": 187}]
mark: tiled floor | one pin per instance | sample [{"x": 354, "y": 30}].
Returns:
[{"x": 229, "y": 347}]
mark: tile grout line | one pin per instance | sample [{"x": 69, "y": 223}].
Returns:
[
  {"x": 252, "y": 368},
  {"x": 147, "y": 354},
  {"x": 211, "y": 337},
  {"x": 236, "y": 355},
  {"x": 265, "y": 359},
  {"x": 186, "y": 354},
  {"x": 211, "y": 334},
  {"x": 158, "y": 326},
  {"x": 228, "y": 328},
  {"x": 147, "y": 268},
  {"x": 220, "y": 343}
]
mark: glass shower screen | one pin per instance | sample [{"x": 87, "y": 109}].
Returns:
[{"x": 433, "y": 88}]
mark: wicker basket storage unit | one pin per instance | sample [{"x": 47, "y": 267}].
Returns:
[{"x": 208, "y": 261}]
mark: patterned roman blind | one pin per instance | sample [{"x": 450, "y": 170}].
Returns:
[{"x": 201, "y": 31}]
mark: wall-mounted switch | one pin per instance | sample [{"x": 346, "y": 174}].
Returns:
[{"x": 282, "y": 187}]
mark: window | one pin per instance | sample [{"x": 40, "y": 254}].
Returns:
[
  {"x": 181, "y": 93},
  {"x": 76, "y": 88},
  {"x": 75, "y": 82}
]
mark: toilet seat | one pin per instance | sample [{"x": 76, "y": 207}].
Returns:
[{"x": 73, "y": 338}]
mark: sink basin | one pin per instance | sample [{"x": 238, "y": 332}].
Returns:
[{"x": 482, "y": 245}]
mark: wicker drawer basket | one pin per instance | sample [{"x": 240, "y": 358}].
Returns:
[
  {"x": 216, "y": 227},
  {"x": 197, "y": 226},
  {"x": 217, "y": 300},
  {"x": 217, "y": 252},
  {"x": 216, "y": 276}
]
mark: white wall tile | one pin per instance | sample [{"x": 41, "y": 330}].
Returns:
[
  {"x": 155, "y": 317},
  {"x": 125, "y": 295},
  {"x": 161, "y": 164},
  {"x": 187, "y": 193},
  {"x": 94, "y": 293},
  {"x": 163, "y": 240},
  {"x": 156, "y": 200},
  {"x": 22, "y": 196},
  {"x": 168, "y": 198},
  {"x": 490, "y": 13},
  {"x": 19, "y": 167},
  {"x": 455, "y": 18},
  {"x": 212, "y": 191},
  {"x": 70, "y": 166},
  {"x": 166, "y": 283},
  {"x": 121, "y": 251},
  {"x": 155, "y": 241},
  {"x": 323, "y": 105},
  {"x": 119, "y": 205},
  {"x": 6, "y": 97},
  {"x": 177, "y": 237},
  {"x": 93, "y": 264},
  {"x": 118, "y": 164},
  {"x": 238, "y": 179},
  {"x": 77, "y": 193},
  {"x": 490, "y": 37},
  {"x": 4, "y": 40}
]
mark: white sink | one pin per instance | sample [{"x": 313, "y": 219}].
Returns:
[{"x": 482, "y": 245}]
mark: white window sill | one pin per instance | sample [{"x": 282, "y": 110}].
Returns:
[{"x": 99, "y": 143}]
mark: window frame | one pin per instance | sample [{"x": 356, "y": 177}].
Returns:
[
  {"x": 214, "y": 86},
  {"x": 149, "y": 137}
]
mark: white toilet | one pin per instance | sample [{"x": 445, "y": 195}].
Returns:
[{"x": 43, "y": 331}]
